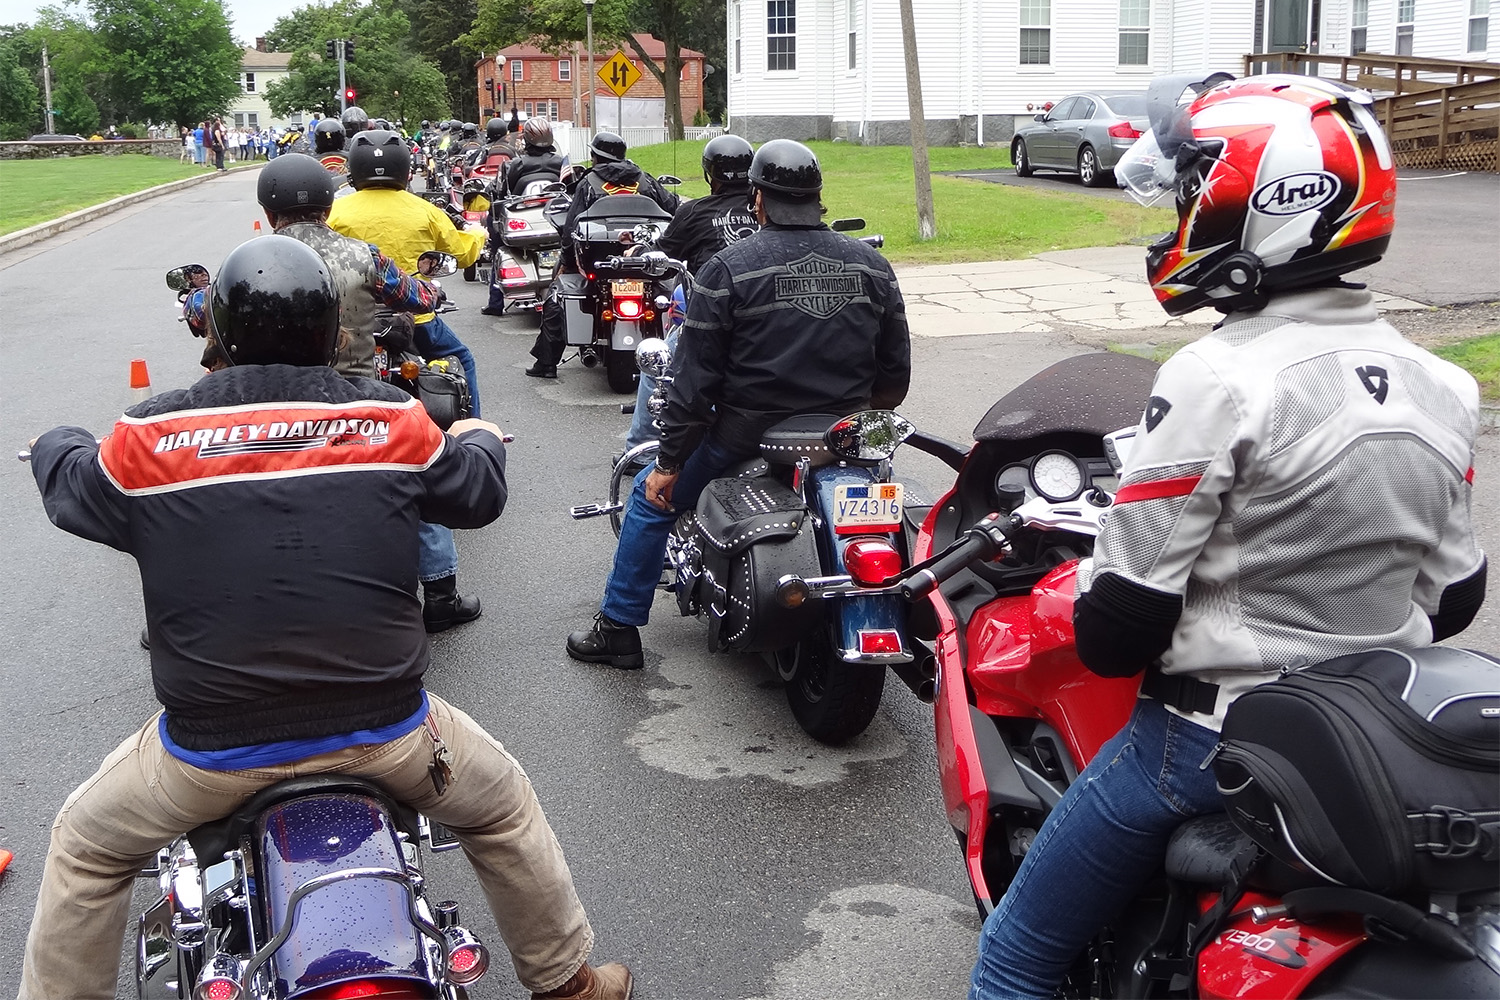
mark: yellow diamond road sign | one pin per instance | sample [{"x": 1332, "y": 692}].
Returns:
[{"x": 619, "y": 74}]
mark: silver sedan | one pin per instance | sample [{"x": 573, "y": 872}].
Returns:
[{"x": 1085, "y": 134}]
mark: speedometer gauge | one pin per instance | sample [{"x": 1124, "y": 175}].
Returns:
[{"x": 1057, "y": 475}]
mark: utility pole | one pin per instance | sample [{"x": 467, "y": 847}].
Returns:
[
  {"x": 47, "y": 85},
  {"x": 926, "y": 222},
  {"x": 588, "y": 7},
  {"x": 344, "y": 90}
]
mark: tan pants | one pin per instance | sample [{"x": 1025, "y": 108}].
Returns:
[{"x": 142, "y": 798}]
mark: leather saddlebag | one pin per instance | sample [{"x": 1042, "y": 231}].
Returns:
[
  {"x": 443, "y": 391},
  {"x": 753, "y": 532},
  {"x": 1379, "y": 771}
]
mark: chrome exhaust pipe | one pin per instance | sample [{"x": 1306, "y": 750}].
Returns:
[
  {"x": 589, "y": 357},
  {"x": 920, "y": 677}
]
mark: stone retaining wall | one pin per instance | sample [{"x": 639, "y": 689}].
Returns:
[{"x": 108, "y": 147}]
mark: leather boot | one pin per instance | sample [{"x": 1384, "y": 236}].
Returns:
[
  {"x": 444, "y": 607},
  {"x": 608, "y": 642},
  {"x": 607, "y": 982},
  {"x": 540, "y": 370}
]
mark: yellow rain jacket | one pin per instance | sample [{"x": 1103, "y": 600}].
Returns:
[{"x": 404, "y": 227}]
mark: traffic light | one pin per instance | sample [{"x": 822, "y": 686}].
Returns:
[
  {"x": 328, "y": 48},
  {"x": 349, "y": 95},
  {"x": 349, "y": 49}
]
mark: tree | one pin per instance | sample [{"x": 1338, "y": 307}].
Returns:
[
  {"x": 554, "y": 24},
  {"x": 20, "y": 101},
  {"x": 436, "y": 27},
  {"x": 76, "y": 111},
  {"x": 169, "y": 60}
]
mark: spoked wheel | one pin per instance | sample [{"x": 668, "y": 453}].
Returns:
[
  {"x": 620, "y": 370},
  {"x": 833, "y": 701}
]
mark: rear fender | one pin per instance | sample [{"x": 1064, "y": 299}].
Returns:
[{"x": 625, "y": 335}]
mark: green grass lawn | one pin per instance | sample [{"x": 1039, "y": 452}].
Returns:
[
  {"x": 33, "y": 191},
  {"x": 975, "y": 220},
  {"x": 1480, "y": 356}
]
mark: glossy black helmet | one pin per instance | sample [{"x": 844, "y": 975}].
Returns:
[
  {"x": 495, "y": 129},
  {"x": 379, "y": 159},
  {"x": 726, "y": 161},
  {"x": 426, "y": 123},
  {"x": 293, "y": 181},
  {"x": 329, "y": 137},
  {"x": 274, "y": 303},
  {"x": 789, "y": 179},
  {"x": 608, "y": 148},
  {"x": 355, "y": 119},
  {"x": 470, "y": 130}
]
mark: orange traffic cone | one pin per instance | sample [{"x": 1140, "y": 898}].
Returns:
[
  {"x": 140, "y": 381},
  {"x": 5, "y": 857},
  {"x": 257, "y": 227}
]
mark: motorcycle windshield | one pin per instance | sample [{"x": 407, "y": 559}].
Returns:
[
  {"x": 357, "y": 929},
  {"x": 1086, "y": 394}
]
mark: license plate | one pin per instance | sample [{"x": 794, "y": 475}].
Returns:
[
  {"x": 547, "y": 259},
  {"x": 628, "y": 289},
  {"x": 872, "y": 505}
]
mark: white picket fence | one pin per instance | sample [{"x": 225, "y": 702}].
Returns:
[{"x": 574, "y": 142}]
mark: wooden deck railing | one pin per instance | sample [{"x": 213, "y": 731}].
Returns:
[{"x": 1439, "y": 113}]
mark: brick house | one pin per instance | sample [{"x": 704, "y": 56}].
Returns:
[{"x": 552, "y": 85}]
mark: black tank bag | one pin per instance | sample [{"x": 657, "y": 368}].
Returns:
[
  {"x": 1379, "y": 771},
  {"x": 752, "y": 532}
]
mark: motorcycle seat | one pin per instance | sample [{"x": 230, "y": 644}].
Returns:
[
  {"x": 212, "y": 840},
  {"x": 1209, "y": 850},
  {"x": 799, "y": 437}
]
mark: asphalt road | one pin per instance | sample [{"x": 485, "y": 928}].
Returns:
[{"x": 719, "y": 852}]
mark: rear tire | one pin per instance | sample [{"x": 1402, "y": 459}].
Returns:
[
  {"x": 471, "y": 273},
  {"x": 1020, "y": 159},
  {"x": 832, "y": 701},
  {"x": 620, "y": 370},
  {"x": 1088, "y": 168}
]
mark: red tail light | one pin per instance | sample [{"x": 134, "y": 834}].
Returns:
[
  {"x": 383, "y": 989},
  {"x": 474, "y": 216},
  {"x": 629, "y": 308},
  {"x": 872, "y": 561},
  {"x": 876, "y": 641},
  {"x": 218, "y": 989},
  {"x": 1124, "y": 130},
  {"x": 512, "y": 272},
  {"x": 516, "y": 225}
]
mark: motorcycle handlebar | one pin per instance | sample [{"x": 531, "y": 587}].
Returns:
[
  {"x": 655, "y": 267},
  {"x": 980, "y": 543}
]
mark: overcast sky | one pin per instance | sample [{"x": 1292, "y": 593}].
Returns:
[{"x": 250, "y": 17}]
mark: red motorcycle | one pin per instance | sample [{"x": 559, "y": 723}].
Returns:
[{"x": 1018, "y": 716}]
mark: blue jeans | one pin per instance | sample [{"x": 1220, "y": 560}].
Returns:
[
  {"x": 436, "y": 339},
  {"x": 437, "y": 556},
  {"x": 643, "y": 534},
  {"x": 1095, "y": 852},
  {"x": 642, "y": 428}
]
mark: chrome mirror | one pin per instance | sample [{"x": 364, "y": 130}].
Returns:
[
  {"x": 187, "y": 277},
  {"x": 436, "y": 264},
  {"x": 869, "y": 436},
  {"x": 653, "y": 356},
  {"x": 1117, "y": 445}
]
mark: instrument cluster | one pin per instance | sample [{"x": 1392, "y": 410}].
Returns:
[{"x": 1057, "y": 476}]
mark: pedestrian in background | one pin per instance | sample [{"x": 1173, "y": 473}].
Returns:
[
  {"x": 217, "y": 140},
  {"x": 200, "y": 136},
  {"x": 185, "y": 140}
]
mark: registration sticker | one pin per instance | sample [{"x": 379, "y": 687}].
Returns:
[{"x": 867, "y": 507}]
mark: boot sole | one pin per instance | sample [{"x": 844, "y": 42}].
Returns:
[
  {"x": 622, "y": 661},
  {"x": 434, "y": 627}
]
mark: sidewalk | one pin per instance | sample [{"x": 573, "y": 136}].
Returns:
[{"x": 1100, "y": 289}]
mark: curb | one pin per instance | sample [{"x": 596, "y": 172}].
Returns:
[
  {"x": 42, "y": 230},
  {"x": 1489, "y": 416}
]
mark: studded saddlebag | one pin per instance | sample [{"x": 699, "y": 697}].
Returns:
[
  {"x": 753, "y": 532},
  {"x": 1378, "y": 771}
]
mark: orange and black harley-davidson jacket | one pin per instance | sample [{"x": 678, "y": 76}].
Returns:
[{"x": 273, "y": 512}]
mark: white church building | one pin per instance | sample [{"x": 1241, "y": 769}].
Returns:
[{"x": 821, "y": 69}]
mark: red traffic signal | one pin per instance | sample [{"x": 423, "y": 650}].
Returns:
[{"x": 349, "y": 94}]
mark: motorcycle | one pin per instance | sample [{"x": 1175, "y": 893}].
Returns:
[
  {"x": 1018, "y": 717},
  {"x": 616, "y": 302},
  {"x": 313, "y": 888},
  {"x": 529, "y": 247},
  {"x": 776, "y": 555}
]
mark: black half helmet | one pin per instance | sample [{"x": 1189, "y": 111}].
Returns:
[
  {"x": 292, "y": 181},
  {"x": 726, "y": 161},
  {"x": 470, "y": 130},
  {"x": 355, "y": 119},
  {"x": 608, "y": 148},
  {"x": 379, "y": 159},
  {"x": 788, "y": 176},
  {"x": 329, "y": 136},
  {"x": 496, "y": 129},
  {"x": 274, "y": 303}
]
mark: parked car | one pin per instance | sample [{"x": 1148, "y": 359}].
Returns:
[
  {"x": 1085, "y": 134},
  {"x": 49, "y": 137}
]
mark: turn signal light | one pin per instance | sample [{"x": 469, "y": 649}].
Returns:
[
  {"x": 607, "y": 315},
  {"x": 217, "y": 989},
  {"x": 468, "y": 959},
  {"x": 629, "y": 308},
  {"x": 512, "y": 272},
  {"x": 1124, "y": 130},
  {"x": 871, "y": 561},
  {"x": 516, "y": 225},
  {"x": 219, "y": 980},
  {"x": 409, "y": 370},
  {"x": 792, "y": 592}
]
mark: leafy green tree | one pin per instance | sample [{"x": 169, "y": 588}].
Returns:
[
  {"x": 20, "y": 101},
  {"x": 436, "y": 26},
  {"x": 76, "y": 111},
  {"x": 168, "y": 60}
]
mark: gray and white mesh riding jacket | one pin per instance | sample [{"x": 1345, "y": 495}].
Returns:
[{"x": 1300, "y": 488}]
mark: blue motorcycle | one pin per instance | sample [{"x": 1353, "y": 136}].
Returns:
[{"x": 793, "y": 555}]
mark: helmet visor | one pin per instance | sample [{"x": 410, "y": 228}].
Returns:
[
  {"x": 1146, "y": 173},
  {"x": 1153, "y": 166}
]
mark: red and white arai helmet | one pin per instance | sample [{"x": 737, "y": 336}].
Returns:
[{"x": 1280, "y": 181}]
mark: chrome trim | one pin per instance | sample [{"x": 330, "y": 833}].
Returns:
[
  {"x": 850, "y": 656},
  {"x": 312, "y": 885}
]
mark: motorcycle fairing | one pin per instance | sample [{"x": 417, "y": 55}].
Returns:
[
  {"x": 1067, "y": 398},
  {"x": 1269, "y": 961},
  {"x": 315, "y": 835}
]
